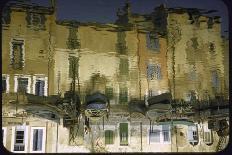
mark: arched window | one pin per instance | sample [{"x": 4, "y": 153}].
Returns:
[{"x": 192, "y": 135}]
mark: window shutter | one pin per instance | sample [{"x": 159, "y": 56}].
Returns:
[
  {"x": 109, "y": 135},
  {"x": 123, "y": 133}
]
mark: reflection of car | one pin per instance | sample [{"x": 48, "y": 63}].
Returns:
[
  {"x": 96, "y": 105},
  {"x": 159, "y": 105}
]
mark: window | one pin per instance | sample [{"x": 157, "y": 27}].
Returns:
[
  {"x": 4, "y": 135},
  {"x": 123, "y": 133},
  {"x": 121, "y": 47},
  {"x": 73, "y": 41},
  {"x": 109, "y": 92},
  {"x": 154, "y": 71},
  {"x": 3, "y": 84},
  {"x": 35, "y": 20},
  {"x": 73, "y": 67},
  {"x": 39, "y": 87},
  {"x": 155, "y": 136},
  {"x": 123, "y": 96},
  {"x": 207, "y": 135},
  {"x": 38, "y": 135},
  {"x": 124, "y": 66},
  {"x": 194, "y": 43},
  {"x": 192, "y": 135},
  {"x": 19, "y": 143},
  {"x": 159, "y": 134},
  {"x": 152, "y": 41},
  {"x": 22, "y": 84},
  {"x": 19, "y": 139},
  {"x": 193, "y": 75},
  {"x": 215, "y": 81},
  {"x": 210, "y": 23},
  {"x": 211, "y": 47},
  {"x": 17, "y": 54},
  {"x": 166, "y": 133},
  {"x": 109, "y": 137}
]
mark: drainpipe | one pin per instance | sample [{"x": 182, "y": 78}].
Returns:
[
  {"x": 176, "y": 139},
  {"x": 56, "y": 137},
  {"x": 46, "y": 137},
  {"x": 141, "y": 133}
]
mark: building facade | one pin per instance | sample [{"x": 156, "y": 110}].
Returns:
[{"x": 115, "y": 71}]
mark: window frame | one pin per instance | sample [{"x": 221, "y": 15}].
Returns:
[
  {"x": 43, "y": 140},
  {"x": 43, "y": 78},
  {"x": 7, "y": 82},
  {"x": 16, "y": 77},
  {"x": 25, "y": 129}
]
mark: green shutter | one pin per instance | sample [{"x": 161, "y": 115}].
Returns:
[
  {"x": 123, "y": 95},
  {"x": 123, "y": 133},
  {"x": 109, "y": 135}
]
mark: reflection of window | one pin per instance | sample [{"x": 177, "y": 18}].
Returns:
[
  {"x": 3, "y": 84},
  {"x": 39, "y": 87},
  {"x": 4, "y": 136},
  {"x": 123, "y": 96},
  {"x": 17, "y": 54},
  {"x": 194, "y": 43},
  {"x": 166, "y": 133},
  {"x": 155, "y": 136},
  {"x": 159, "y": 134},
  {"x": 193, "y": 74},
  {"x": 123, "y": 133},
  {"x": 38, "y": 139},
  {"x": 73, "y": 67},
  {"x": 208, "y": 137},
  {"x": 211, "y": 47},
  {"x": 123, "y": 66},
  {"x": 19, "y": 144},
  {"x": 210, "y": 23},
  {"x": 109, "y": 137},
  {"x": 109, "y": 92},
  {"x": 154, "y": 71},
  {"x": 215, "y": 79},
  {"x": 36, "y": 20},
  {"x": 192, "y": 135},
  {"x": 22, "y": 84},
  {"x": 152, "y": 41}
]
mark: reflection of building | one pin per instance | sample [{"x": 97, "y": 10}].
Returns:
[{"x": 130, "y": 61}]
